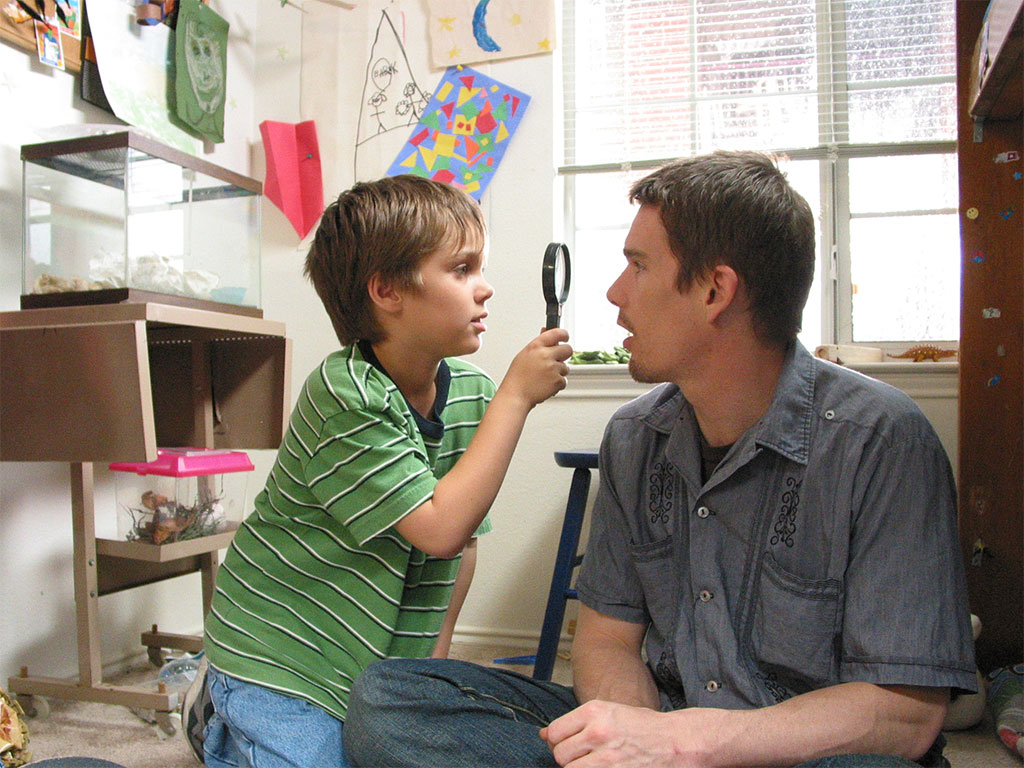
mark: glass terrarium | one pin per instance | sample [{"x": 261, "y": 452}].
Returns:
[
  {"x": 185, "y": 494},
  {"x": 121, "y": 217}
]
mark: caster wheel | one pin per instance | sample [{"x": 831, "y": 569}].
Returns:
[
  {"x": 34, "y": 706},
  {"x": 168, "y": 722},
  {"x": 156, "y": 656}
]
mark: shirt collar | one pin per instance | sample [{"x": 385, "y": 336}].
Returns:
[
  {"x": 431, "y": 424},
  {"x": 786, "y": 425}
]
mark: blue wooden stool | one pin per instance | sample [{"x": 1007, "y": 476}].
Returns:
[{"x": 566, "y": 562}]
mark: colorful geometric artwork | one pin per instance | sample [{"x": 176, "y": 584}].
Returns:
[{"x": 464, "y": 131}]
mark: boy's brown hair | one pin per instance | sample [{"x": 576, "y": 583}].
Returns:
[
  {"x": 738, "y": 209},
  {"x": 383, "y": 227}
]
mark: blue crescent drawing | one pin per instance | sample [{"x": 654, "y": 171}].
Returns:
[{"x": 484, "y": 40}]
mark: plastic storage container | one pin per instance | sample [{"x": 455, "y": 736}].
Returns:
[
  {"x": 121, "y": 217},
  {"x": 185, "y": 494}
]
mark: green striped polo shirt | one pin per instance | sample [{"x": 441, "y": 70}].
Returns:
[{"x": 317, "y": 584}]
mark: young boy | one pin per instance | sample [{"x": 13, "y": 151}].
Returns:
[{"x": 386, "y": 473}]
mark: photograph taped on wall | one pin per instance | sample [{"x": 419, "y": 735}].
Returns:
[{"x": 19, "y": 28}]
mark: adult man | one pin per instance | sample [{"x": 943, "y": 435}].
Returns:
[{"x": 772, "y": 575}]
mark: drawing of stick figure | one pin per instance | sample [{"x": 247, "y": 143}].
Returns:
[
  {"x": 413, "y": 103},
  {"x": 383, "y": 71}
]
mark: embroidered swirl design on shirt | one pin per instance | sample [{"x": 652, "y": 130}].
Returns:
[
  {"x": 785, "y": 526},
  {"x": 660, "y": 492},
  {"x": 666, "y": 674},
  {"x": 771, "y": 683}
]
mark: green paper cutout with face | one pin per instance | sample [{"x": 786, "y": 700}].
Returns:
[{"x": 201, "y": 44}]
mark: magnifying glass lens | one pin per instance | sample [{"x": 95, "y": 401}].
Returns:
[{"x": 555, "y": 277}]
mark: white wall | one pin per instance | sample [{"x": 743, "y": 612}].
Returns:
[
  {"x": 507, "y": 600},
  {"x": 38, "y": 625},
  {"x": 523, "y": 208}
]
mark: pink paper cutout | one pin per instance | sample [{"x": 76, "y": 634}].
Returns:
[{"x": 294, "y": 182}]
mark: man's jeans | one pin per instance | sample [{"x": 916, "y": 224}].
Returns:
[
  {"x": 255, "y": 727},
  {"x": 440, "y": 712}
]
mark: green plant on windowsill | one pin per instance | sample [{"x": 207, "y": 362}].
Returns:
[{"x": 600, "y": 357}]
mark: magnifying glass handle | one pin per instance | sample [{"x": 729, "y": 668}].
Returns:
[{"x": 554, "y": 315}]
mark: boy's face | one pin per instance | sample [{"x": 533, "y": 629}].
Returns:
[{"x": 447, "y": 310}]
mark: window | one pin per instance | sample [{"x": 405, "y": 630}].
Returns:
[{"x": 857, "y": 96}]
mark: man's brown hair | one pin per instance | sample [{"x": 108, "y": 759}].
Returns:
[
  {"x": 383, "y": 227},
  {"x": 738, "y": 209}
]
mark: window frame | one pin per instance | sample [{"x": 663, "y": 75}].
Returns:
[{"x": 835, "y": 260}]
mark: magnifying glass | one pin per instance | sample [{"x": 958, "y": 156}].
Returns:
[{"x": 556, "y": 274}]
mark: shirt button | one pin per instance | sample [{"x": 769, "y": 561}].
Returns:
[
  {"x": 711, "y": 685},
  {"x": 703, "y": 511},
  {"x": 830, "y": 414},
  {"x": 705, "y": 595}
]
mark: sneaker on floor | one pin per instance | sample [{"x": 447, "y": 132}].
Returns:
[{"x": 196, "y": 710}]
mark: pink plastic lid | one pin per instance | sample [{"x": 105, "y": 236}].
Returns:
[{"x": 188, "y": 462}]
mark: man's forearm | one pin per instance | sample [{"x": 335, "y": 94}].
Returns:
[
  {"x": 609, "y": 671},
  {"x": 851, "y": 718}
]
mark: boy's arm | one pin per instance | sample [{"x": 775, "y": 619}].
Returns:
[
  {"x": 462, "y": 581},
  {"x": 444, "y": 524}
]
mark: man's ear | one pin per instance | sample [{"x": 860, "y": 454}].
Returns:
[
  {"x": 721, "y": 291},
  {"x": 383, "y": 294}
]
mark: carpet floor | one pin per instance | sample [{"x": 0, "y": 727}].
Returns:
[{"x": 120, "y": 735}]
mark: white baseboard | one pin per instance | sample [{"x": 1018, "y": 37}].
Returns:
[{"x": 506, "y": 638}]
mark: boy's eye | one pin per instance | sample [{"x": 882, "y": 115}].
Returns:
[{"x": 462, "y": 269}]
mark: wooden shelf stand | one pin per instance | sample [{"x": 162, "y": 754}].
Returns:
[{"x": 126, "y": 378}]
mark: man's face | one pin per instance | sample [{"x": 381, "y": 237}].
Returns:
[{"x": 664, "y": 321}]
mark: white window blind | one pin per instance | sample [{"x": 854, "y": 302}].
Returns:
[
  {"x": 656, "y": 79},
  {"x": 859, "y": 95}
]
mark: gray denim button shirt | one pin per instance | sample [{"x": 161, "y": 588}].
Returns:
[{"x": 823, "y": 549}]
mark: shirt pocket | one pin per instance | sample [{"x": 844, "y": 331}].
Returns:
[
  {"x": 659, "y": 579},
  {"x": 795, "y": 627}
]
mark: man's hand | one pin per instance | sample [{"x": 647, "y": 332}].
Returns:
[{"x": 602, "y": 733}]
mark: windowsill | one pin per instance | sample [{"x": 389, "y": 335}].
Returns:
[
  {"x": 925, "y": 367},
  {"x": 893, "y": 366},
  {"x": 614, "y": 381}
]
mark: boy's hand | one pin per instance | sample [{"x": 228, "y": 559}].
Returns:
[{"x": 539, "y": 370}]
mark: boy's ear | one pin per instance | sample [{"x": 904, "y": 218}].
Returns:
[{"x": 383, "y": 294}]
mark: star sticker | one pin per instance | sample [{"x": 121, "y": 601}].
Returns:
[
  {"x": 446, "y": 23},
  {"x": 544, "y": 45},
  {"x": 282, "y": 52},
  {"x": 454, "y": 52},
  {"x": 232, "y": 103},
  {"x": 516, "y": 20},
  {"x": 1015, "y": 175}
]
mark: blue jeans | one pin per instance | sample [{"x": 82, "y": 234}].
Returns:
[
  {"x": 255, "y": 727},
  {"x": 441, "y": 712}
]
